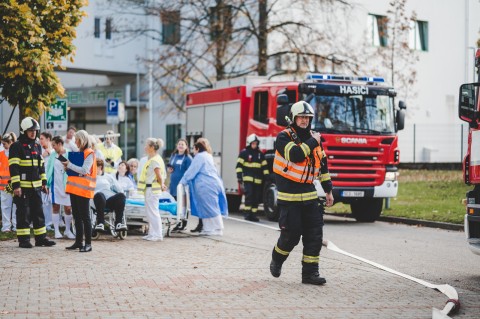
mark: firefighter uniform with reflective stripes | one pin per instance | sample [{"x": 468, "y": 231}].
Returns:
[
  {"x": 251, "y": 171},
  {"x": 296, "y": 166},
  {"x": 27, "y": 172}
]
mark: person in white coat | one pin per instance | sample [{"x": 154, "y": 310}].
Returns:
[
  {"x": 152, "y": 183},
  {"x": 9, "y": 219}
]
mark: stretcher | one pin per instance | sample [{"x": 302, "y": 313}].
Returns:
[{"x": 172, "y": 212}]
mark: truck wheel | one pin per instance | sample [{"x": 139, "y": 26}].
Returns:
[
  {"x": 367, "y": 210},
  {"x": 270, "y": 202},
  {"x": 234, "y": 202}
]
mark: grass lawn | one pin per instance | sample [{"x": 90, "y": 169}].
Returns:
[{"x": 425, "y": 194}]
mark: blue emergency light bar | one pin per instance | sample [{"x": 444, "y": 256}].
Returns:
[{"x": 322, "y": 77}]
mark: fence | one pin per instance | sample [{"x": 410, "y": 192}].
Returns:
[{"x": 433, "y": 143}]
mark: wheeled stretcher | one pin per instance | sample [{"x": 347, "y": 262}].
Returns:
[{"x": 172, "y": 212}]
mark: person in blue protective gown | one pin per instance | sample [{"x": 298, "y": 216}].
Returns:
[{"x": 207, "y": 193}]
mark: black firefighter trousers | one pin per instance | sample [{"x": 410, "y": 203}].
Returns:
[
  {"x": 305, "y": 220},
  {"x": 29, "y": 210},
  {"x": 253, "y": 193}
]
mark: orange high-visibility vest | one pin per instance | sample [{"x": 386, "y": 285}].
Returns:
[
  {"x": 84, "y": 186},
  {"x": 303, "y": 172},
  {"x": 4, "y": 170}
]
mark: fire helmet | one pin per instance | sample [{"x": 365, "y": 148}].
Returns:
[
  {"x": 301, "y": 108},
  {"x": 29, "y": 123},
  {"x": 252, "y": 138}
]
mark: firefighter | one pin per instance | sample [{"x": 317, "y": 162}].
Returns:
[
  {"x": 251, "y": 171},
  {"x": 299, "y": 160},
  {"x": 28, "y": 180}
]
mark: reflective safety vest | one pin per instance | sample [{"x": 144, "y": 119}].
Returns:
[
  {"x": 113, "y": 152},
  {"x": 304, "y": 172},
  {"x": 84, "y": 185},
  {"x": 142, "y": 185},
  {"x": 4, "y": 170}
]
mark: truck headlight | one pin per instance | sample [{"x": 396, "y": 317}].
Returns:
[{"x": 391, "y": 176}]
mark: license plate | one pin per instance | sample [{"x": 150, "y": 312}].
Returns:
[{"x": 353, "y": 193}]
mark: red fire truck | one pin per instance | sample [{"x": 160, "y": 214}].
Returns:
[
  {"x": 469, "y": 111},
  {"x": 355, "y": 115}
]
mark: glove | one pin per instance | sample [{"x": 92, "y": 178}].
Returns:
[{"x": 242, "y": 187}]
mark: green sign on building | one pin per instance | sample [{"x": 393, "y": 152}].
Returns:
[{"x": 56, "y": 118}]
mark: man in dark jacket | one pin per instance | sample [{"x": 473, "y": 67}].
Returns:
[
  {"x": 251, "y": 171},
  {"x": 299, "y": 161},
  {"x": 27, "y": 171}
]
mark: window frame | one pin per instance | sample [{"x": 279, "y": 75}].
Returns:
[
  {"x": 378, "y": 28},
  {"x": 170, "y": 27}
]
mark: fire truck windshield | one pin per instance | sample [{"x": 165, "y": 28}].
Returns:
[{"x": 354, "y": 114}]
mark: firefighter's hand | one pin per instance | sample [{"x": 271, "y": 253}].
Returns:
[
  {"x": 329, "y": 199},
  {"x": 316, "y": 136},
  {"x": 45, "y": 189},
  {"x": 241, "y": 185},
  {"x": 17, "y": 192}
]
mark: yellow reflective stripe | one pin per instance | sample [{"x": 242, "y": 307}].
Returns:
[
  {"x": 30, "y": 184},
  {"x": 264, "y": 163},
  {"x": 257, "y": 181},
  {"x": 325, "y": 177},
  {"x": 88, "y": 188},
  {"x": 239, "y": 170},
  {"x": 13, "y": 160},
  {"x": 23, "y": 231},
  {"x": 281, "y": 252},
  {"x": 15, "y": 179},
  {"x": 29, "y": 162},
  {"x": 265, "y": 172},
  {"x": 252, "y": 165},
  {"x": 297, "y": 197},
  {"x": 311, "y": 259},
  {"x": 40, "y": 231},
  {"x": 43, "y": 176},
  {"x": 247, "y": 178},
  {"x": 305, "y": 148},
  {"x": 288, "y": 147},
  {"x": 254, "y": 210},
  {"x": 247, "y": 207},
  {"x": 240, "y": 160}
]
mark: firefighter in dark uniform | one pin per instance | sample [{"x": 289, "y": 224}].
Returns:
[
  {"x": 28, "y": 180},
  {"x": 299, "y": 161},
  {"x": 251, "y": 171}
]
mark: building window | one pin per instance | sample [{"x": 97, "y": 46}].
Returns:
[
  {"x": 174, "y": 132},
  {"x": 377, "y": 30},
  {"x": 221, "y": 22},
  {"x": 260, "y": 110},
  {"x": 108, "y": 29},
  {"x": 170, "y": 27},
  {"x": 418, "y": 35},
  {"x": 96, "y": 31}
]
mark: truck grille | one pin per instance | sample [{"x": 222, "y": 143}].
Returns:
[{"x": 355, "y": 166}]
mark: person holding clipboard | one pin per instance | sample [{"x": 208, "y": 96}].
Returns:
[{"x": 81, "y": 182}]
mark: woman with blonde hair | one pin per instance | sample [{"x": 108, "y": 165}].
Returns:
[
  {"x": 9, "y": 218},
  {"x": 151, "y": 183},
  {"x": 81, "y": 187}
]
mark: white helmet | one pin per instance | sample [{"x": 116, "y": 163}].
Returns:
[
  {"x": 301, "y": 108},
  {"x": 29, "y": 123},
  {"x": 252, "y": 138}
]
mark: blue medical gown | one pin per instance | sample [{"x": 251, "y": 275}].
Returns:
[{"x": 207, "y": 194}]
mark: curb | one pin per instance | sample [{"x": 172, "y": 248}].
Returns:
[{"x": 409, "y": 221}]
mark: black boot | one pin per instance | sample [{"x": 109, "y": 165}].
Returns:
[
  {"x": 86, "y": 248},
  {"x": 275, "y": 269},
  {"x": 24, "y": 244},
  {"x": 313, "y": 279},
  {"x": 199, "y": 227},
  {"x": 251, "y": 217},
  {"x": 44, "y": 242},
  {"x": 74, "y": 246}
]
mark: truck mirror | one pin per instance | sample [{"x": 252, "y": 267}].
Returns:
[
  {"x": 282, "y": 111},
  {"x": 282, "y": 99},
  {"x": 400, "y": 119},
  {"x": 467, "y": 106},
  {"x": 402, "y": 105}
]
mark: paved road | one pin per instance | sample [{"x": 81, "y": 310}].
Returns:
[{"x": 227, "y": 277}]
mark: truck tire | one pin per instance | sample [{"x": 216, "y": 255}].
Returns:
[
  {"x": 234, "y": 202},
  {"x": 270, "y": 202},
  {"x": 367, "y": 210}
]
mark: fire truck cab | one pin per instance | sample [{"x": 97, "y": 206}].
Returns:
[
  {"x": 469, "y": 111},
  {"x": 355, "y": 115}
]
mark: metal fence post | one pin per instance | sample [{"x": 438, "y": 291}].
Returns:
[{"x": 414, "y": 136}]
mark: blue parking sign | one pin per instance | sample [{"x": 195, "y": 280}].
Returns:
[{"x": 112, "y": 107}]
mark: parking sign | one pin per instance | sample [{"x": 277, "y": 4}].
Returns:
[{"x": 112, "y": 111}]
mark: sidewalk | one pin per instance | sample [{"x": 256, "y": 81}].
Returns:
[{"x": 197, "y": 277}]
